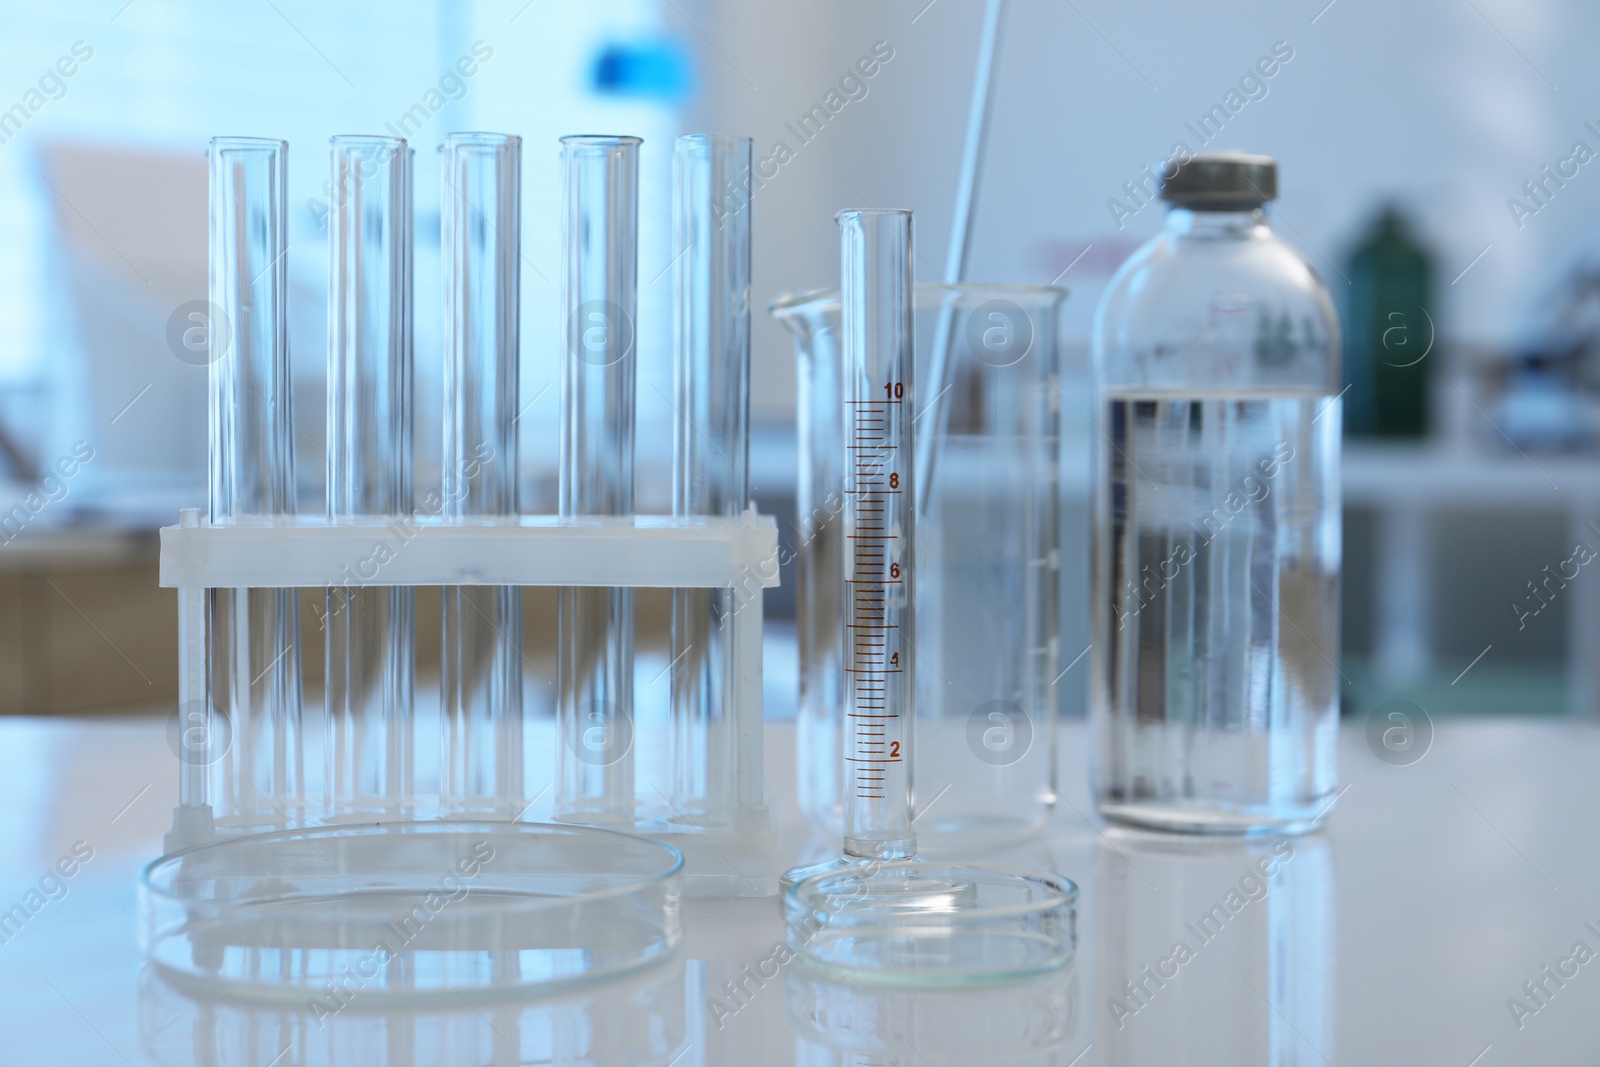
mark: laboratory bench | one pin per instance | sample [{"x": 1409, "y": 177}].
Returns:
[
  {"x": 84, "y": 626},
  {"x": 1449, "y": 914}
]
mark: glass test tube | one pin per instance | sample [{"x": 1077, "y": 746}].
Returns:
[
  {"x": 254, "y": 634},
  {"x": 481, "y": 763},
  {"x": 369, "y": 628},
  {"x": 879, "y": 510},
  {"x": 599, "y": 305},
  {"x": 710, "y": 446}
]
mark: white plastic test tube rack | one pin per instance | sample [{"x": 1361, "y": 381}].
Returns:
[
  {"x": 733, "y": 856},
  {"x": 240, "y": 738}
]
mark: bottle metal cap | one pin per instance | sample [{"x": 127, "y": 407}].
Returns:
[{"x": 1221, "y": 181}]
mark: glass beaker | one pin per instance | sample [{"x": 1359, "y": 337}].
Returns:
[{"x": 987, "y": 561}]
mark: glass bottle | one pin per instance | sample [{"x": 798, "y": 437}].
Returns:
[
  {"x": 1389, "y": 331},
  {"x": 1214, "y": 686}
]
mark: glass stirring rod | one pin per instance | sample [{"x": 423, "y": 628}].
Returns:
[{"x": 879, "y": 500}]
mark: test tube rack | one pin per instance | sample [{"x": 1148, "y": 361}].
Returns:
[
  {"x": 738, "y": 857},
  {"x": 239, "y": 566}
]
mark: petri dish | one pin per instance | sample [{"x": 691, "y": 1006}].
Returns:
[
  {"x": 409, "y": 912},
  {"x": 910, "y": 922}
]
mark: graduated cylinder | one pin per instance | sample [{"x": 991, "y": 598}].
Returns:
[{"x": 878, "y": 394}]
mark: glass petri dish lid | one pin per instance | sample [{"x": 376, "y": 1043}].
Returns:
[
  {"x": 909, "y": 922},
  {"x": 409, "y": 912}
]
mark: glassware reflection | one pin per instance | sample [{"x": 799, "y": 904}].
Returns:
[
  {"x": 1215, "y": 952},
  {"x": 837, "y": 1023},
  {"x": 1033, "y": 853},
  {"x": 637, "y": 1020}
]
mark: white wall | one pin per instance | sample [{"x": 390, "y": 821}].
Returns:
[{"x": 1441, "y": 104}]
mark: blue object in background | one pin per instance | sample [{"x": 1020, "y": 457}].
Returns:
[{"x": 658, "y": 70}]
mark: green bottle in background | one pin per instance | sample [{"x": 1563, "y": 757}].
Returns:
[{"x": 1389, "y": 332}]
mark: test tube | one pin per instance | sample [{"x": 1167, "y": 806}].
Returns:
[
  {"x": 879, "y": 512},
  {"x": 599, "y": 303},
  {"x": 254, "y": 633},
  {"x": 481, "y": 762},
  {"x": 710, "y": 447},
  {"x": 368, "y": 629}
]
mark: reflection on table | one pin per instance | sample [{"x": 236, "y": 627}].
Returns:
[{"x": 1214, "y": 951}]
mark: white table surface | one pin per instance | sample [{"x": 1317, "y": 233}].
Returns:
[{"x": 1396, "y": 936}]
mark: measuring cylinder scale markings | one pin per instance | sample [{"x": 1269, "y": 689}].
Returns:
[{"x": 879, "y": 678}]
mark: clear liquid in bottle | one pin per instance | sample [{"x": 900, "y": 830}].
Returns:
[{"x": 1216, "y": 597}]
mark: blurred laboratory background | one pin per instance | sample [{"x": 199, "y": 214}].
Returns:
[{"x": 1435, "y": 168}]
